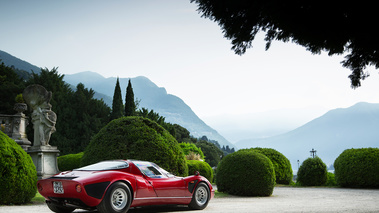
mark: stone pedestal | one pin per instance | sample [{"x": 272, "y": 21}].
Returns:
[
  {"x": 19, "y": 135},
  {"x": 45, "y": 160}
]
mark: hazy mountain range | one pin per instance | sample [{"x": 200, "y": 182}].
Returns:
[
  {"x": 330, "y": 134},
  {"x": 236, "y": 127},
  {"x": 149, "y": 94},
  {"x": 10, "y": 60}
]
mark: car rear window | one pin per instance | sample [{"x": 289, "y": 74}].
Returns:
[{"x": 105, "y": 165}]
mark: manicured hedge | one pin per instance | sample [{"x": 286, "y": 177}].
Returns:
[
  {"x": 246, "y": 173},
  {"x": 282, "y": 166},
  {"x": 18, "y": 175},
  {"x": 136, "y": 138},
  {"x": 358, "y": 168},
  {"x": 312, "y": 172},
  {"x": 70, "y": 161},
  {"x": 203, "y": 167},
  {"x": 191, "y": 147}
]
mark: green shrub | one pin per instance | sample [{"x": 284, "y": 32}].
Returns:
[
  {"x": 312, "y": 172},
  {"x": 282, "y": 166},
  {"x": 193, "y": 156},
  {"x": 358, "y": 168},
  {"x": 191, "y": 147},
  {"x": 19, "y": 99},
  {"x": 136, "y": 138},
  {"x": 203, "y": 167},
  {"x": 211, "y": 152},
  {"x": 18, "y": 175},
  {"x": 246, "y": 173},
  {"x": 331, "y": 180},
  {"x": 70, "y": 161}
]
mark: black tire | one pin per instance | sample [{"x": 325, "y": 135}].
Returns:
[
  {"x": 117, "y": 199},
  {"x": 200, "y": 197},
  {"x": 59, "y": 208}
]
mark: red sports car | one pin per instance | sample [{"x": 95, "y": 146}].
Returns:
[{"x": 117, "y": 185}]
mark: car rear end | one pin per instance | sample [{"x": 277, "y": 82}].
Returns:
[{"x": 68, "y": 189}]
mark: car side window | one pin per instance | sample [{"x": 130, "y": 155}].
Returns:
[{"x": 150, "y": 170}]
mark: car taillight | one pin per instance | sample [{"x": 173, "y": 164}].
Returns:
[
  {"x": 39, "y": 187},
  {"x": 78, "y": 188}
]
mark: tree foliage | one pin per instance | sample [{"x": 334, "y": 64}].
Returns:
[
  {"x": 227, "y": 150},
  {"x": 10, "y": 86},
  {"x": 117, "y": 104},
  {"x": 154, "y": 116},
  {"x": 337, "y": 28},
  {"x": 130, "y": 105},
  {"x": 182, "y": 134},
  {"x": 90, "y": 116},
  {"x": 212, "y": 153}
]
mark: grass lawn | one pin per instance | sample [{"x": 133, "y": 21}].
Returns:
[{"x": 38, "y": 199}]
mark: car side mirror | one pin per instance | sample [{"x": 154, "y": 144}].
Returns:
[{"x": 197, "y": 173}]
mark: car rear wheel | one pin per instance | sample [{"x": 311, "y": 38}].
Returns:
[
  {"x": 200, "y": 197},
  {"x": 59, "y": 208},
  {"x": 117, "y": 199}
]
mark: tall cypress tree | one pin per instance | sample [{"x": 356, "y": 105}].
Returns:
[
  {"x": 130, "y": 105},
  {"x": 117, "y": 106}
]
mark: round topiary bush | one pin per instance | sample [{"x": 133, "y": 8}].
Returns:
[
  {"x": 70, "y": 161},
  {"x": 312, "y": 172},
  {"x": 358, "y": 168},
  {"x": 136, "y": 138},
  {"x": 201, "y": 166},
  {"x": 246, "y": 173},
  {"x": 18, "y": 175},
  {"x": 282, "y": 166}
]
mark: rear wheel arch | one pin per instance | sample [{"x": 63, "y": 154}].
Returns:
[
  {"x": 124, "y": 197},
  {"x": 122, "y": 181},
  {"x": 129, "y": 185}
]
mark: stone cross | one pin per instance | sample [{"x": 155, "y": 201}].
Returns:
[{"x": 313, "y": 153}]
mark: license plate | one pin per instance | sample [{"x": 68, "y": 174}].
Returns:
[{"x": 58, "y": 187}]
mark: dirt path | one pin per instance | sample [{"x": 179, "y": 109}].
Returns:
[{"x": 284, "y": 199}]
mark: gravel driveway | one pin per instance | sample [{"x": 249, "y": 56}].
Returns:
[{"x": 284, "y": 199}]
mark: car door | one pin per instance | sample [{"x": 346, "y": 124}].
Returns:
[
  {"x": 145, "y": 188},
  {"x": 169, "y": 186},
  {"x": 164, "y": 183}
]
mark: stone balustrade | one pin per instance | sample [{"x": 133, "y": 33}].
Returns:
[{"x": 15, "y": 127}]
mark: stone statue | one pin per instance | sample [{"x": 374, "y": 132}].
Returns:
[{"x": 38, "y": 98}]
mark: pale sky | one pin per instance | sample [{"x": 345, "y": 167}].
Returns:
[{"x": 168, "y": 42}]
